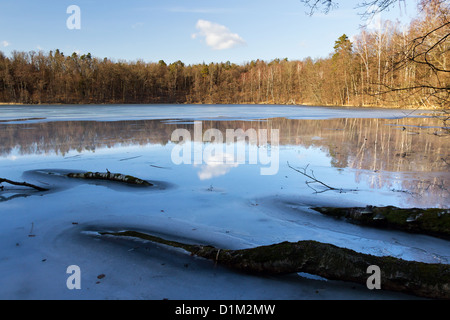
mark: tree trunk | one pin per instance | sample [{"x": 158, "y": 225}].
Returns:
[{"x": 325, "y": 260}]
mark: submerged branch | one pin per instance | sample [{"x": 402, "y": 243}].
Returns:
[
  {"x": 325, "y": 260},
  {"x": 25, "y": 184}
]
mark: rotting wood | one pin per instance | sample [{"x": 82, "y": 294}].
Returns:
[
  {"x": 432, "y": 221},
  {"x": 322, "y": 259},
  {"x": 118, "y": 177}
]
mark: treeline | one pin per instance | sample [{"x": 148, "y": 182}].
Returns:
[{"x": 383, "y": 67}]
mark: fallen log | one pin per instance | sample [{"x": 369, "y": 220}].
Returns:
[
  {"x": 25, "y": 184},
  {"x": 433, "y": 221},
  {"x": 118, "y": 177},
  {"x": 325, "y": 260}
]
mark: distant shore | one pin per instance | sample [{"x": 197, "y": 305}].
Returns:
[{"x": 237, "y": 104}]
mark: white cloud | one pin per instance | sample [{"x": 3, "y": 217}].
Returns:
[
  {"x": 5, "y": 43},
  {"x": 217, "y": 36}
]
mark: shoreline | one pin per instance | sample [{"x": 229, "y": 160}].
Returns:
[{"x": 234, "y": 104}]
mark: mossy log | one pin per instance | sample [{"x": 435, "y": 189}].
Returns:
[
  {"x": 433, "y": 221},
  {"x": 118, "y": 177},
  {"x": 325, "y": 260}
]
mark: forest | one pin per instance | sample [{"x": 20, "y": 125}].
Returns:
[{"x": 393, "y": 66}]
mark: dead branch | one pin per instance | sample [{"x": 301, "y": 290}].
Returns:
[
  {"x": 313, "y": 178},
  {"x": 25, "y": 184}
]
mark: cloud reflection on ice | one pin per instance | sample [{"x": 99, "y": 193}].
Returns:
[{"x": 217, "y": 165}]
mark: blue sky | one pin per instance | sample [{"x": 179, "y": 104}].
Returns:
[{"x": 193, "y": 31}]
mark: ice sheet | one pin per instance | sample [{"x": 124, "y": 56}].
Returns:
[
  {"x": 42, "y": 233},
  {"x": 42, "y": 113}
]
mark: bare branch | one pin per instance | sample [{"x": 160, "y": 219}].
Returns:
[
  {"x": 25, "y": 184},
  {"x": 324, "y": 5},
  {"x": 312, "y": 177}
]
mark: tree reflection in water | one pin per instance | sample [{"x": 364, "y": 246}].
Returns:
[{"x": 380, "y": 151}]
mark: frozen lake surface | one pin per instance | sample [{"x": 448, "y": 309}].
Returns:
[
  {"x": 372, "y": 156},
  {"x": 191, "y": 112}
]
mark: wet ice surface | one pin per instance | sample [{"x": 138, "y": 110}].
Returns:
[
  {"x": 192, "y": 112},
  {"x": 225, "y": 205}
]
